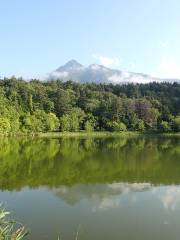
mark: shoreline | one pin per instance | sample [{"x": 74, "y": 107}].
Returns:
[{"x": 88, "y": 134}]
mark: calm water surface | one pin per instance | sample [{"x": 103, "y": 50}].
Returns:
[{"x": 113, "y": 188}]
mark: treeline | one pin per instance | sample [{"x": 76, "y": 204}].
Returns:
[{"x": 37, "y": 106}]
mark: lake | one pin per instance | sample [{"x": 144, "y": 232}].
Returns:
[{"x": 101, "y": 188}]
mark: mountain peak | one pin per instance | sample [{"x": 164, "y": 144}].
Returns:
[
  {"x": 73, "y": 62},
  {"x": 70, "y": 65}
]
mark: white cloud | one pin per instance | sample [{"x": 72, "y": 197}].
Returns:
[
  {"x": 95, "y": 67},
  {"x": 128, "y": 77},
  {"x": 169, "y": 67},
  {"x": 171, "y": 198},
  {"x": 107, "y": 61},
  {"x": 130, "y": 187},
  {"x": 60, "y": 74},
  {"x": 108, "y": 203},
  {"x": 116, "y": 78}
]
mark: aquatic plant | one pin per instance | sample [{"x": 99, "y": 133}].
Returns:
[{"x": 10, "y": 229}]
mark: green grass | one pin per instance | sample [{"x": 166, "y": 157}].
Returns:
[
  {"x": 102, "y": 134},
  {"x": 9, "y": 229},
  {"x": 87, "y": 134}
]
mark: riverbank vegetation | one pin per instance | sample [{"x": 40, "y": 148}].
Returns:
[
  {"x": 9, "y": 229},
  {"x": 53, "y": 106}
]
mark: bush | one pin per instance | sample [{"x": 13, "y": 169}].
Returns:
[
  {"x": 39, "y": 121},
  {"x": 5, "y": 126},
  {"x": 116, "y": 126},
  {"x": 164, "y": 126},
  {"x": 176, "y": 124},
  {"x": 139, "y": 126}
]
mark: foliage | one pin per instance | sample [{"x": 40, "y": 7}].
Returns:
[
  {"x": 176, "y": 124},
  {"x": 90, "y": 123},
  {"x": 5, "y": 126},
  {"x": 117, "y": 126},
  {"x": 72, "y": 121},
  {"x": 52, "y": 122},
  {"x": 164, "y": 126},
  {"x": 139, "y": 126},
  {"x": 34, "y": 106}
]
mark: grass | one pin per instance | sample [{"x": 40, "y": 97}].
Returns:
[
  {"x": 9, "y": 229},
  {"x": 102, "y": 134},
  {"x": 87, "y": 134}
]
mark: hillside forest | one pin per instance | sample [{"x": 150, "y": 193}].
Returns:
[{"x": 53, "y": 106}]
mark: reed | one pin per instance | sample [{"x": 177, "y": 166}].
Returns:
[{"x": 10, "y": 229}]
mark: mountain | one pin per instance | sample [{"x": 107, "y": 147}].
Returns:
[
  {"x": 70, "y": 66},
  {"x": 75, "y": 71}
]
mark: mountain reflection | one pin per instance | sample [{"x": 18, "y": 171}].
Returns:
[
  {"x": 102, "y": 194},
  {"x": 57, "y": 163},
  {"x": 108, "y": 196}
]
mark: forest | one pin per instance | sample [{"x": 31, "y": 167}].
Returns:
[{"x": 55, "y": 106}]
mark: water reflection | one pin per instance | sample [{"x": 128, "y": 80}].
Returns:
[
  {"x": 107, "y": 196},
  {"x": 171, "y": 198},
  {"x": 98, "y": 192},
  {"x": 114, "y": 188},
  {"x": 57, "y": 162},
  {"x": 103, "y": 196}
]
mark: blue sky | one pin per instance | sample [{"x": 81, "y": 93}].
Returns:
[{"x": 37, "y": 36}]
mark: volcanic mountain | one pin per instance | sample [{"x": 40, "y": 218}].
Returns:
[{"x": 75, "y": 71}]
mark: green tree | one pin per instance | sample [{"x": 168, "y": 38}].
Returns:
[
  {"x": 164, "y": 126},
  {"x": 117, "y": 126},
  {"x": 139, "y": 126},
  {"x": 52, "y": 122},
  {"x": 72, "y": 121},
  {"x": 5, "y": 126},
  {"x": 176, "y": 124},
  {"x": 65, "y": 123},
  {"x": 90, "y": 122},
  {"x": 63, "y": 102},
  {"x": 39, "y": 121}
]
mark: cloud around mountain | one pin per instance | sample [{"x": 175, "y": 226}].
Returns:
[{"x": 95, "y": 73}]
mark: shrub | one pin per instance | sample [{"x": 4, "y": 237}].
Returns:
[
  {"x": 176, "y": 124},
  {"x": 139, "y": 126},
  {"x": 117, "y": 126},
  {"x": 5, "y": 125},
  {"x": 164, "y": 126}
]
